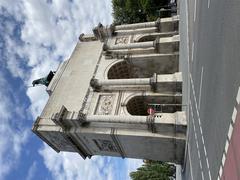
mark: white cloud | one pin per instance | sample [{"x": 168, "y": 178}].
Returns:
[
  {"x": 48, "y": 34},
  {"x": 31, "y": 171},
  {"x": 70, "y": 166},
  {"x": 12, "y": 134}
]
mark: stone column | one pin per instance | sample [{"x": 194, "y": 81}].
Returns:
[
  {"x": 165, "y": 45},
  {"x": 135, "y": 26},
  {"x": 161, "y": 123},
  {"x": 168, "y": 44},
  {"x": 136, "y": 31},
  {"x": 169, "y": 83},
  {"x": 123, "y": 52},
  {"x": 158, "y": 83},
  {"x": 130, "y": 46},
  {"x": 110, "y": 82},
  {"x": 169, "y": 24},
  {"x": 162, "y": 25},
  {"x": 116, "y": 119},
  {"x": 154, "y": 56}
]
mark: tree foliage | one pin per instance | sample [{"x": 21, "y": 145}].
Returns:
[
  {"x": 134, "y": 11},
  {"x": 154, "y": 170}
]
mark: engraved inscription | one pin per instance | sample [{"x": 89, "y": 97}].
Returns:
[
  {"x": 121, "y": 40},
  {"x": 105, "y": 105},
  {"x": 105, "y": 145}
]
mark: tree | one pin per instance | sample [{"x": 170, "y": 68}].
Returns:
[
  {"x": 133, "y": 11},
  {"x": 154, "y": 170}
]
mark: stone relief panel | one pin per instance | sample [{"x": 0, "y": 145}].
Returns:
[
  {"x": 121, "y": 40},
  {"x": 105, "y": 104},
  {"x": 105, "y": 145}
]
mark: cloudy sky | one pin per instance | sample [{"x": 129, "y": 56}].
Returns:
[{"x": 35, "y": 36}]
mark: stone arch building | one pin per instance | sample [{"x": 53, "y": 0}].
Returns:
[{"x": 100, "y": 97}]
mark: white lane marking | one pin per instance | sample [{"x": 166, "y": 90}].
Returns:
[
  {"x": 205, "y": 150},
  {"x": 201, "y": 131},
  {"x": 200, "y": 164},
  {"x": 209, "y": 173},
  {"x": 203, "y": 141},
  {"x": 220, "y": 171},
  {"x": 238, "y": 96},
  {"x": 195, "y": 9},
  {"x": 192, "y": 51},
  {"x": 201, "y": 169},
  {"x": 200, "y": 90},
  {"x": 202, "y": 176},
  {"x": 234, "y": 114},
  {"x": 223, "y": 159},
  {"x": 230, "y": 130},
  {"x": 190, "y": 161},
  {"x": 226, "y": 146},
  {"x": 208, "y": 3},
  {"x": 192, "y": 85},
  {"x": 199, "y": 122},
  {"x": 208, "y": 165},
  {"x": 196, "y": 140}
]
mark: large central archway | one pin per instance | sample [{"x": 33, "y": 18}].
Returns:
[{"x": 138, "y": 105}]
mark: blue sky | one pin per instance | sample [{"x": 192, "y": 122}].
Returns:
[{"x": 35, "y": 36}]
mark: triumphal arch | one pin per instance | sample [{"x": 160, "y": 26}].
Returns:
[{"x": 119, "y": 94}]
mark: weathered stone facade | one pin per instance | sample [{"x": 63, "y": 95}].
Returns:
[{"x": 100, "y": 97}]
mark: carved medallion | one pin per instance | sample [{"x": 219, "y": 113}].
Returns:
[
  {"x": 121, "y": 40},
  {"x": 105, "y": 104}
]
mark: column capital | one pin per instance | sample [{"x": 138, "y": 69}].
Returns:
[
  {"x": 111, "y": 29},
  {"x": 94, "y": 83},
  {"x": 98, "y": 32},
  {"x": 81, "y": 117},
  {"x": 105, "y": 47},
  {"x": 158, "y": 24}
]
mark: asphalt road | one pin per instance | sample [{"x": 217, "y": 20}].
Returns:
[{"x": 214, "y": 76}]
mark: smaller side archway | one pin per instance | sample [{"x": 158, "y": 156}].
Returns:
[
  {"x": 125, "y": 70},
  {"x": 145, "y": 38},
  {"x": 121, "y": 70}
]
